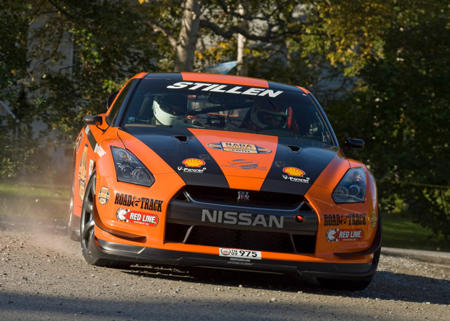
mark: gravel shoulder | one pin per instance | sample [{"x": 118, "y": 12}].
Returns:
[{"x": 43, "y": 276}]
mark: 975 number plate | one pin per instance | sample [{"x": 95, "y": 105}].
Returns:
[{"x": 254, "y": 255}]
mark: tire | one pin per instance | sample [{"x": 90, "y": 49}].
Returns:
[
  {"x": 87, "y": 225},
  {"x": 71, "y": 231},
  {"x": 349, "y": 285}
]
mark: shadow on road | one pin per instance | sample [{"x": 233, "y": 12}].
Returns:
[{"x": 385, "y": 286}]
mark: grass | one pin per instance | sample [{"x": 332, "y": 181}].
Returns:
[
  {"x": 37, "y": 198},
  {"x": 400, "y": 231},
  {"x": 34, "y": 199}
]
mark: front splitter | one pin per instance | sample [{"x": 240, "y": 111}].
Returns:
[{"x": 146, "y": 255}]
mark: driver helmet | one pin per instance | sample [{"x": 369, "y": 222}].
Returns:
[{"x": 170, "y": 108}]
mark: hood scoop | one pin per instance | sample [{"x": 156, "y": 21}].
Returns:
[
  {"x": 182, "y": 138},
  {"x": 293, "y": 148}
]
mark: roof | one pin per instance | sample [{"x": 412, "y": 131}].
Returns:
[{"x": 222, "y": 79}]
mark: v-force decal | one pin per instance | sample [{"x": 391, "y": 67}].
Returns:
[
  {"x": 239, "y": 148},
  {"x": 228, "y": 89},
  {"x": 295, "y": 174},
  {"x": 192, "y": 165}
]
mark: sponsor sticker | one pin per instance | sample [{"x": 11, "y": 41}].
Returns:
[
  {"x": 245, "y": 164},
  {"x": 130, "y": 216},
  {"x": 239, "y": 148},
  {"x": 344, "y": 219},
  {"x": 193, "y": 162},
  {"x": 99, "y": 150},
  {"x": 223, "y": 88},
  {"x": 139, "y": 202},
  {"x": 78, "y": 142},
  {"x": 82, "y": 173},
  {"x": 192, "y": 165},
  {"x": 374, "y": 218},
  {"x": 239, "y": 253},
  {"x": 344, "y": 235},
  {"x": 294, "y": 171},
  {"x": 295, "y": 174},
  {"x": 103, "y": 195}
]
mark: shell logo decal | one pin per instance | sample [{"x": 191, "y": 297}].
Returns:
[
  {"x": 294, "y": 171},
  {"x": 193, "y": 162}
]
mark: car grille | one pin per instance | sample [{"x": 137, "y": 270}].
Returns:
[
  {"x": 216, "y": 195},
  {"x": 183, "y": 225},
  {"x": 242, "y": 239}
]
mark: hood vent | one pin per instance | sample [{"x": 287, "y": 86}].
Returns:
[
  {"x": 182, "y": 138},
  {"x": 293, "y": 148}
]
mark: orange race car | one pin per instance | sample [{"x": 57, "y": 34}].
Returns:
[{"x": 204, "y": 170}]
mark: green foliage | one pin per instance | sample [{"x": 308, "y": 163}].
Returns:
[
  {"x": 111, "y": 45},
  {"x": 13, "y": 38},
  {"x": 40, "y": 81},
  {"x": 400, "y": 50},
  {"x": 400, "y": 231},
  {"x": 401, "y": 109},
  {"x": 15, "y": 155},
  {"x": 350, "y": 33}
]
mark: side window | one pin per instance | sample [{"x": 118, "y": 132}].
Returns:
[{"x": 111, "y": 118}]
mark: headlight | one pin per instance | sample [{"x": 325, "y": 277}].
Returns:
[
  {"x": 351, "y": 188},
  {"x": 129, "y": 169}
]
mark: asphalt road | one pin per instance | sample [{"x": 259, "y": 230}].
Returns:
[{"x": 44, "y": 277}]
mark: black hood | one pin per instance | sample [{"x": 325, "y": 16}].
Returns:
[{"x": 293, "y": 165}]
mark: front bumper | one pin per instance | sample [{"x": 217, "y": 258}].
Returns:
[{"x": 145, "y": 255}]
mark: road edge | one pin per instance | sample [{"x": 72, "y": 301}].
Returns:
[{"x": 420, "y": 255}]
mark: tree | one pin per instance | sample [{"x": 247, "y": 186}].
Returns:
[
  {"x": 181, "y": 26},
  {"x": 401, "y": 109},
  {"x": 39, "y": 81},
  {"x": 17, "y": 146}
]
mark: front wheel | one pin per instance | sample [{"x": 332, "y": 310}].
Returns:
[
  {"x": 87, "y": 226},
  {"x": 71, "y": 230}
]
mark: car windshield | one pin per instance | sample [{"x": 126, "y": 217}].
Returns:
[{"x": 158, "y": 102}]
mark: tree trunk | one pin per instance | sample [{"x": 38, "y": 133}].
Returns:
[
  {"x": 185, "y": 48},
  {"x": 242, "y": 68}
]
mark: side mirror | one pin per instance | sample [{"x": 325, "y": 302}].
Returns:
[
  {"x": 354, "y": 143},
  {"x": 111, "y": 99},
  {"x": 93, "y": 120}
]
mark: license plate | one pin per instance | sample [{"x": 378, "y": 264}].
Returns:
[{"x": 247, "y": 254}]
